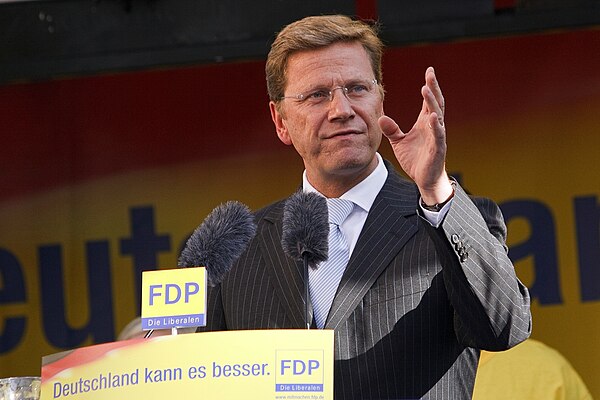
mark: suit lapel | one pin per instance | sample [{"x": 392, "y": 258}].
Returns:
[
  {"x": 392, "y": 221},
  {"x": 286, "y": 274}
]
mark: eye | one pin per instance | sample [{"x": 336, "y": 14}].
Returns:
[
  {"x": 357, "y": 88},
  {"x": 317, "y": 95}
]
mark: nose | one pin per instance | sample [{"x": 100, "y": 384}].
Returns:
[
  {"x": 332, "y": 92},
  {"x": 339, "y": 105}
]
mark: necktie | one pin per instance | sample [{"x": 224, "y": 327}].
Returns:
[{"x": 324, "y": 281}]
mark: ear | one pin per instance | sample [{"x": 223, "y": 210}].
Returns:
[{"x": 280, "y": 124}]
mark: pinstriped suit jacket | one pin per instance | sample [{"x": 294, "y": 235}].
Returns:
[{"x": 414, "y": 305}]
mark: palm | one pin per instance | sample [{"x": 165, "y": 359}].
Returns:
[
  {"x": 418, "y": 153},
  {"x": 421, "y": 151}
]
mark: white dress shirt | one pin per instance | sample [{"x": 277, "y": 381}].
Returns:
[{"x": 363, "y": 195}]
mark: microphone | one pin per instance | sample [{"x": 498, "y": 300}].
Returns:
[
  {"x": 305, "y": 234},
  {"x": 218, "y": 242}
]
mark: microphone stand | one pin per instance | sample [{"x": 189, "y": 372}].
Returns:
[
  {"x": 151, "y": 331},
  {"x": 306, "y": 290}
]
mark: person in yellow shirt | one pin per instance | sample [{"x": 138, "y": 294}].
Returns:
[{"x": 531, "y": 371}]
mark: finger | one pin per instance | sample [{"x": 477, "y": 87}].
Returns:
[
  {"x": 390, "y": 128},
  {"x": 437, "y": 127},
  {"x": 432, "y": 104},
  {"x": 433, "y": 84}
]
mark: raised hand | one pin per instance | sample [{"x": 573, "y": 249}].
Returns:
[{"x": 421, "y": 151}]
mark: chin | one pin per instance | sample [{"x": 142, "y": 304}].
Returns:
[{"x": 354, "y": 164}]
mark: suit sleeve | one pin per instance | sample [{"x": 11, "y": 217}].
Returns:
[{"x": 491, "y": 306}]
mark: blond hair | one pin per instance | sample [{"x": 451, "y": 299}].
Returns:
[{"x": 317, "y": 32}]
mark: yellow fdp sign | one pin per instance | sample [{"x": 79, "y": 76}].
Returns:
[{"x": 174, "y": 298}]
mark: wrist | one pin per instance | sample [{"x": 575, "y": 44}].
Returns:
[{"x": 436, "y": 202}]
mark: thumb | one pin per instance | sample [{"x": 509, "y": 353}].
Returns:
[{"x": 390, "y": 128}]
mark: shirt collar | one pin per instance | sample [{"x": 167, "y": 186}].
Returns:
[{"x": 364, "y": 193}]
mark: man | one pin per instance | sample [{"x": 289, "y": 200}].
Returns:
[{"x": 428, "y": 281}]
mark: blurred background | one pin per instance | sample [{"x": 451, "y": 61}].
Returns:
[{"x": 125, "y": 122}]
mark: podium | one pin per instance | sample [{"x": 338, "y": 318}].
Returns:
[{"x": 257, "y": 364}]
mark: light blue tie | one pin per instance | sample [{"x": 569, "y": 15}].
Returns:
[{"x": 324, "y": 280}]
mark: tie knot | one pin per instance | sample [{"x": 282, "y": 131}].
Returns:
[{"x": 339, "y": 209}]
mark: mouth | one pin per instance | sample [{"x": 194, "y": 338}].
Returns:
[{"x": 344, "y": 133}]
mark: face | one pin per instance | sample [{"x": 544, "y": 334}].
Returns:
[{"x": 337, "y": 139}]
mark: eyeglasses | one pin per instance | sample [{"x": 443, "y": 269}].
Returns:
[{"x": 355, "y": 91}]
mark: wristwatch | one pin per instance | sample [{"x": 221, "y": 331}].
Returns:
[{"x": 438, "y": 207}]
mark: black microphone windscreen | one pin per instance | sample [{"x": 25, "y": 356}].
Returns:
[
  {"x": 219, "y": 241},
  {"x": 306, "y": 227}
]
